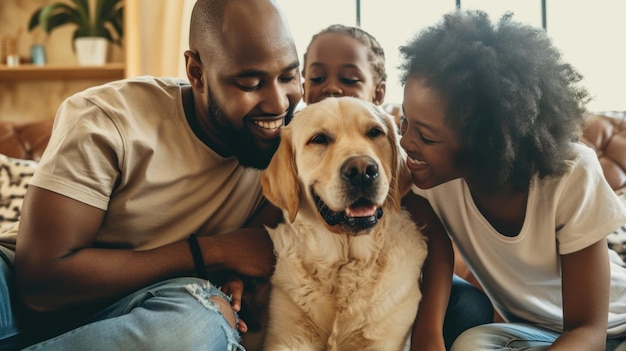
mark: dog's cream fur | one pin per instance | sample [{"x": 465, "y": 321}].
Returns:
[{"x": 337, "y": 288}]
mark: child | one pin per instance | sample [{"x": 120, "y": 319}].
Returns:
[
  {"x": 491, "y": 116},
  {"x": 347, "y": 61},
  {"x": 344, "y": 61}
]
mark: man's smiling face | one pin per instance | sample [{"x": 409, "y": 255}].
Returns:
[{"x": 251, "y": 84}]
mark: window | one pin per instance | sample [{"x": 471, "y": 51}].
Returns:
[{"x": 589, "y": 34}]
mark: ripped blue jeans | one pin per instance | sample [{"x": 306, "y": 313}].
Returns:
[
  {"x": 177, "y": 314},
  {"x": 515, "y": 336}
]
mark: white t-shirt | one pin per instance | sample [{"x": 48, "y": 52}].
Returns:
[
  {"x": 126, "y": 147},
  {"x": 522, "y": 274}
]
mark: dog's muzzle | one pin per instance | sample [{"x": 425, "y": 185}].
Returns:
[
  {"x": 360, "y": 174},
  {"x": 355, "y": 224}
]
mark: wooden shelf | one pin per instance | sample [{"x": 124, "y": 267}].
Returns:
[{"x": 23, "y": 72}]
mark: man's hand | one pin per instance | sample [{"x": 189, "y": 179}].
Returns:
[{"x": 249, "y": 252}]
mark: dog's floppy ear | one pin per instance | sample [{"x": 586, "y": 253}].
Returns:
[
  {"x": 280, "y": 180},
  {"x": 404, "y": 175},
  {"x": 401, "y": 178}
]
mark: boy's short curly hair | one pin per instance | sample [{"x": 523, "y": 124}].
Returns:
[
  {"x": 512, "y": 101},
  {"x": 375, "y": 56}
]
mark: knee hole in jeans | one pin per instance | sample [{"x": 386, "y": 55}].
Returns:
[{"x": 226, "y": 309}]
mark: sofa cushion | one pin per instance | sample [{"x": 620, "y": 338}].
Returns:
[
  {"x": 25, "y": 140},
  {"x": 15, "y": 174},
  {"x": 607, "y": 136}
]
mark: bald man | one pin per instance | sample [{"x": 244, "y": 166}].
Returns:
[{"x": 147, "y": 187}]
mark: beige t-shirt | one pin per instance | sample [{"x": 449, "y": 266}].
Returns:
[{"x": 126, "y": 147}]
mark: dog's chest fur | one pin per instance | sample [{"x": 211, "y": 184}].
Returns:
[{"x": 350, "y": 292}]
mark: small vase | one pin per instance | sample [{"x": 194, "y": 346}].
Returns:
[
  {"x": 91, "y": 51},
  {"x": 38, "y": 55}
]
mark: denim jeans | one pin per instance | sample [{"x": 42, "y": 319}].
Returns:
[
  {"x": 8, "y": 324},
  {"x": 177, "y": 314},
  {"x": 513, "y": 337}
]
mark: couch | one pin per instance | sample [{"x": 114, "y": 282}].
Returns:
[
  {"x": 21, "y": 146},
  {"x": 605, "y": 134},
  {"x": 24, "y": 140}
]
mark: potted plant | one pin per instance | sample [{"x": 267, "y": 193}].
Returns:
[{"x": 95, "y": 26}]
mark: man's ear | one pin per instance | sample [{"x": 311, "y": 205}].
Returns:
[
  {"x": 194, "y": 69},
  {"x": 379, "y": 93}
]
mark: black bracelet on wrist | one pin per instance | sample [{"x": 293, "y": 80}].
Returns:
[{"x": 198, "y": 260}]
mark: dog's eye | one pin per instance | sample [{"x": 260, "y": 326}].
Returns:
[
  {"x": 320, "y": 139},
  {"x": 375, "y": 132}
]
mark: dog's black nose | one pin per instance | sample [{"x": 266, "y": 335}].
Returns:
[{"x": 360, "y": 170}]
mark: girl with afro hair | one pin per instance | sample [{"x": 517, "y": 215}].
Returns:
[{"x": 492, "y": 116}]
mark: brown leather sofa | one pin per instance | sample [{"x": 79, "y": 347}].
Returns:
[
  {"x": 24, "y": 140},
  {"x": 608, "y": 137}
]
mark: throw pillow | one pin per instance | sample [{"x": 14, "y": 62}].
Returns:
[{"x": 15, "y": 174}]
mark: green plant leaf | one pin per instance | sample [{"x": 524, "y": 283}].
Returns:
[
  {"x": 60, "y": 19},
  {"x": 51, "y": 10},
  {"x": 105, "y": 10},
  {"x": 34, "y": 20},
  {"x": 82, "y": 7},
  {"x": 118, "y": 24},
  {"x": 98, "y": 20},
  {"x": 105, "y": 20}
]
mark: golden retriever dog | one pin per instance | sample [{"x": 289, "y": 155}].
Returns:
[{"x": 348, "y": 258}]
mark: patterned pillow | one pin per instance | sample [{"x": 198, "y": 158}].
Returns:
[
  {"x": 15, "y": 174},
  {"x": 617, "y": 239}
]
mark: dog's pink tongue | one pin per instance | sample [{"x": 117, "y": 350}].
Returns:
[{"x": 361, "y": 211}]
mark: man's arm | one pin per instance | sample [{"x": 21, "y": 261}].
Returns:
[
  {"x": 436, "y": 276},
  {"x": 57, "y": 267}
]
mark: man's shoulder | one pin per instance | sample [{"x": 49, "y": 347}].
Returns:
[
  {"x": 142, "y": 93},
  {"x": 136, "y": 85},
  {"x": 135, "y": 103}
]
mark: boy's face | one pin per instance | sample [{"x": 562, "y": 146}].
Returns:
[
  {"x": 337, "y": 65},
  {"x": 433, "y": 149}
]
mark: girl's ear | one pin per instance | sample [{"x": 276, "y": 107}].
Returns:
[
  {"x": 194, "y": 69},
  {"x": 304, "y": 95},
  {"x": 379, "y": 93}
]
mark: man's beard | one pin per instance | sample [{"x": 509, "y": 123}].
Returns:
[{"x": 240, "y": 141}]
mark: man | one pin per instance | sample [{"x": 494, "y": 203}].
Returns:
[{"x": 135, "y": 167}]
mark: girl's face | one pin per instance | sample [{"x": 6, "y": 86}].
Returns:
[
  {"x": 337, "y": 65},
  {"x": 433, "y": 149}
]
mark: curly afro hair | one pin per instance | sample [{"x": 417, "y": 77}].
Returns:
[{"x": 514, "y": 104}]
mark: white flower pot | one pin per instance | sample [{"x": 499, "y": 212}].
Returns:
[{"x": 91, "y": 51}]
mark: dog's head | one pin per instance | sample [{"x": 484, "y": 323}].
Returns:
[{"x": 339, "y": 159}]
